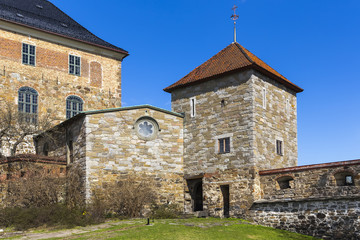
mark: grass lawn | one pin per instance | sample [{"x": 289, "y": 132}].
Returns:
[{"x": 183, "y": 229}]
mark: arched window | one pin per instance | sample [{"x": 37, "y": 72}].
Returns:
[
  {"x": 28, "y": 104},
  {"x": 74, "y": 105}
]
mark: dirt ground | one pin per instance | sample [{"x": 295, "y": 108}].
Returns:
[{"x": 67, "y": 233}]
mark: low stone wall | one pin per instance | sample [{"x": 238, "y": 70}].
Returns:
[
  {"x": 14, "y": 168},
  {"x": 336, "y": 218},
  {"x": 318, "y": 180},
  {"x": 321, "y": 200}
]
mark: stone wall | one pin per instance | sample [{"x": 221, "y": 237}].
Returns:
[
  {"x": 313, "y": 199},
  {"x": 230, "y": 106},
  {"x": 99, "y": 85},
  {"x": 107, "y": 148},
  {"x": 311, "y": 181},
  {"x": 14, "y": 168},
  {"x": 277, "y": 120},
  {"x": 332, "y": 218},
  {"x": 115, "y": 150}
]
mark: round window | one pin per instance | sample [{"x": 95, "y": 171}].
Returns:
[{"x": 146, "y": 128}]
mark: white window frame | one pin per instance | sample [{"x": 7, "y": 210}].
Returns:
[
  {"x": 287, "y": 106},
  {"x": 192, "y": 107},
  {"x": 281, "y": 142},
  {"x": 28, "y": 54},
  {"x": 75, "y": 65},
  {"x": 264, "y": 92}
]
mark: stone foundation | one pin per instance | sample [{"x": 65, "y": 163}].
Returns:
[{"x": 333, "y": 218}]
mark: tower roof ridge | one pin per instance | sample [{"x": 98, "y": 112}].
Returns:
[{"x": 232, "y": 58}]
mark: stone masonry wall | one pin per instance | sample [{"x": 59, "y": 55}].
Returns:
[
  {"x": 312, "y": 199},
  {"x": 276, "y": 121},
  {"x": 114, "y": 150},
  {"x": 67, "y": 141},
  {"x": 14, "y": 168},
  {"x": 312, "y": 181},
  {"x": 99, "y": 84},
  {"x": 229, "y": 106},
  {"x": 333, "y": 218},
  {"x": 224, "y": 108}
]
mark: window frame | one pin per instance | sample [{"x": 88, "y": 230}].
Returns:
[
  {"x": 224, "y": 145},
  {"x": 28, "y": 54},
  {"x": 264, "y": 99},
  {"x": 74, "y": 65},
  {"x": 192, "y": 106},
  {"x": 28, "y": 104},
  {"x": 287, "y": 106},
  {"x": 279, "y": 147},
  {"x": 69, "y": 106}
]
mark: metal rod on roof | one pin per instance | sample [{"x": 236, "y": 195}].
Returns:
[{"x": 234, "y": 17}]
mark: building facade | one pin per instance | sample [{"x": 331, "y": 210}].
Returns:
[
  {"x": 51, "y": 65},
  {"x": 233, "y": 118}
]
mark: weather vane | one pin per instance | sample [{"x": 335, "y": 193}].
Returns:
[{"x": 234, "y": 17}]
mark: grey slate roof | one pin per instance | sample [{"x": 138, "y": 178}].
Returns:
[{"x": 45, "y": 16}]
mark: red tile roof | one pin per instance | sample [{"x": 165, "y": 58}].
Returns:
[{"x": 232, "y": 58}]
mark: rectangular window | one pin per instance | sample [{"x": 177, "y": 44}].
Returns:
[
  {"x": 28, "y": 54},
  {"x": 264, "y": 97},
  {"x": 192, "y": 107},
  {"x": 224, "y": 145},
  {"x": 74, "y": 65},
  {"x": 287, "y": 107},
  {"x": 279, "y": 147}
]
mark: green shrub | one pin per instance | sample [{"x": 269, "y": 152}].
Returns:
[{"x": 165, "y": 211}]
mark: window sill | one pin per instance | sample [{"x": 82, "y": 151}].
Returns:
[
  {"x": 29, "y": 65},
  {"x": 223, "y": 152},
  {"x": 75, "y": 74}
]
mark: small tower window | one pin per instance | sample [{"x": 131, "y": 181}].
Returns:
[
  {"x": 74, "y": 105},
  {"x": 287, "y": 106},
  {"x": 192, "y": 107},
  {"x": 28, "y": 54},
  {"x": 279, "y": 147},
  {"x": 74, "y": 65},
  {"x": 264, "y": 98},
  {"x": 224, "y": 145}
]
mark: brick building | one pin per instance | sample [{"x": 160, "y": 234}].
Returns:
[{"x": 233, "y": 118}]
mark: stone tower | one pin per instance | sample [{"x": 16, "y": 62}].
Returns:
[{"x": 240, "y": 117}]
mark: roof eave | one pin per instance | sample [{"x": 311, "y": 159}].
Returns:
[
  {"x": 288, "y": 84},
  {"x": 67, "y": 37},
  {"x": 254, "y": 66}
]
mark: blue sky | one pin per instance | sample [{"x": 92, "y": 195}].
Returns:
[{"x": 315, "y": 44}]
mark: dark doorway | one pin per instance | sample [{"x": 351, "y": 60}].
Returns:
[
  {"x": 198, "y": 197},
  {"x": 226, "y": 199},
  {"x": 196, "y": 192}
]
